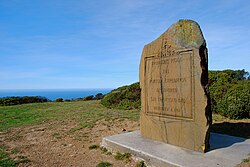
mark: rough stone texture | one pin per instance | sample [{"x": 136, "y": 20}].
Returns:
[{"x": 174, "y": 80}]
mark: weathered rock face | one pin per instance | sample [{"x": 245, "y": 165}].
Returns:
[{"x": 174, "y": 85}]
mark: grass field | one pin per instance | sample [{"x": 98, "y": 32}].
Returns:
[
  {"x": 28, "y": 132},
  {"x": 17, "y": 122},
  {"x": 86, "y": 113}
]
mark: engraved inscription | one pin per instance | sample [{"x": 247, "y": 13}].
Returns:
[{"x": 169, "y": 82}]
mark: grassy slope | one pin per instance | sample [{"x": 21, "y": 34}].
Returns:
[{"x": 84, "y": 112}]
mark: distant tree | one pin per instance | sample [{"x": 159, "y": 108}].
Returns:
[
  {"x": 59, "y": 100},
  {"x": 7, "y": 101},
  {"x": 86, "y": 98},
  {"x": 99, "y": 96}
]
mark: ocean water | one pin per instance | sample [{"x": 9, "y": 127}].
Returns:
[{"x": 53, "y": 94}]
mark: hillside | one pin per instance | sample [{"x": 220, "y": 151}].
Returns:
[{"x": 125, "y": 97}]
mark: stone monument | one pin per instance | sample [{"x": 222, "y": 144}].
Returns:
[
  {"x": 176, "y": 106},
  {"x": 174, "y": 88}
]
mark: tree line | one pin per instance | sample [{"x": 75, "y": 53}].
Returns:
[
  {"x": 16, "y": 100},
  {"x": 229, "y": 93}
]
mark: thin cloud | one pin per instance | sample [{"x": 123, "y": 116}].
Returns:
[{"x": 10, "y": 74}]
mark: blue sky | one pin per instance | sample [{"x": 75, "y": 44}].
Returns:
[{"x": 98, "y": 43}]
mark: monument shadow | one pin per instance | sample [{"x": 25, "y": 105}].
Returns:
[{"x": 226, "y": 134}]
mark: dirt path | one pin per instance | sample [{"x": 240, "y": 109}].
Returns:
[{"x": 64, "y": 143}]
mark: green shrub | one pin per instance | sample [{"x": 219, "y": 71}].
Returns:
[
  {"x": 88, "y": 98},
  {"x": 103, "y": 149},
  {"x": 141, "y": 164},
  {"x": 236, "y": 103},
  {"x": 5, "y": 159},
  {"x": 104, "y": 164},
  {"x": 59, "y": 100},
  {"x": 245, "y": 160},
  {"x": 98, "y": 96},
  {"x": 126, "y": 97},
  {"x": 8, "y": 101},
  {"x": 120, "y": 156},
  {"x": 94, "y": 146},
  {"x": 229, "y": 92}
]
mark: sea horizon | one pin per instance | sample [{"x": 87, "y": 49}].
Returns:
[{"x": 53, "y": 94}]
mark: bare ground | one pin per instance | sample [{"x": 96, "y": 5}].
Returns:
[{"x": 62, "y": 143}]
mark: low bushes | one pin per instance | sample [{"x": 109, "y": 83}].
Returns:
[
  {"x": 98, "y": 96},
  {"x": 59, "y": 100},
  {"x": 125, "y": 97},
  {"x": 230, "y": 93},
  {"x": 236, "y": 102},
  {"x": 8, "y": 101}
]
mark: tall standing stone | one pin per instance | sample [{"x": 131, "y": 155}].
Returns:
[{"x": 174, "y": 85}]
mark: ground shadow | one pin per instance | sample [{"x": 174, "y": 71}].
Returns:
[
  {"x": 239, "y": 129},
  {"x": 226, "y": 134}
]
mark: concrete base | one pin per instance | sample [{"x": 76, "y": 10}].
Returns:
[{"x": 225, "y": 151}]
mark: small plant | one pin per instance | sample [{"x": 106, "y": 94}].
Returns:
[
  {"x": 5, "y": 160},
  {"x": 87, "y": 124},
  {"x": 245, "y": 160},
  {"x": 104, "y": 164},
  {"x": 141, "y": 164},
  {"x": 120, "y": 156},
  {"x": 94, "y": 146},
  {"x": 108, "y": 153},
  {"x": 103, "y": 149}
]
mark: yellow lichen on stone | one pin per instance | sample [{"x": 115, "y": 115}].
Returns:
[{"x": 185, "y": 32}]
